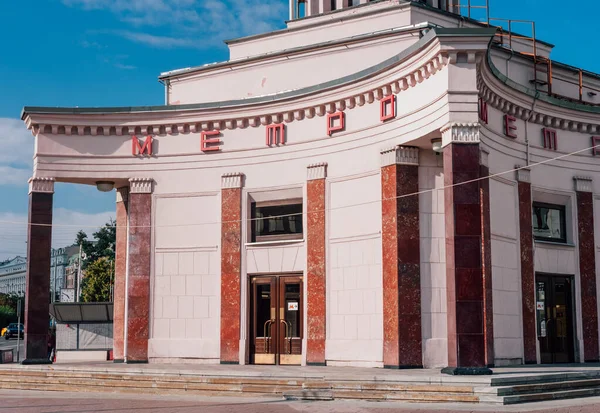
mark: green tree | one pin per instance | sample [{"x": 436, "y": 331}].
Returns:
[
  {"x": 103, "y": 244},
  {"x": 97, "y": 281}
]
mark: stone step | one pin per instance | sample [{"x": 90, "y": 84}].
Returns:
[
  {"x": 547, "y": 387},
  {"x": 419, "y": 397},
  {"x": 555, "y": 395}
]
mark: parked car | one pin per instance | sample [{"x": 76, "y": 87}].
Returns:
[{"x": 13, "y": 329}]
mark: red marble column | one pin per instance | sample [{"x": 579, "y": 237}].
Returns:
[
  {"x": 231, "y": 266},
  {"x": 486, "y": 253},
  {"x": 402, "y": 342},
  {"x": 120, "y": 274},
  {"x": 527, "y": 267},
  {"x": 464, "y": 266},
  {"x": 37, "y": 293},
  {"x": 315, "y": 271},
  {"x": 138, "y": 274},
  {"x": 587, "y": 267}
]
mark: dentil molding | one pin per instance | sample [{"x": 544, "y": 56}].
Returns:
[
  {"x": 412, "y": 79},
  {"x": 140, "y": 185},
  {"x": 41, "y": 185},
  {"x": 583, "y": 184},
  {"x": 232, "y": 180},
  {"x": 400, "y": 155},
  {"x": 316, "y": 171},
  {"x": 457, "y": 132}
]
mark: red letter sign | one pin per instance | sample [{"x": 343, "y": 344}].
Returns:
[
  {"x": 509, "y": 127},
  {"x": 384, "y": 113},
  {"x": 483, "y": 113},
  {"x": 136, "y": 149},
  {"x": 331, "y": 118},
  {"x": 213, "y": 142},
  {"x": 550, "y": 139},
  {"x": 275, "y": 134}
]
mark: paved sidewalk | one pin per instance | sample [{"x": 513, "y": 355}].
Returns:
[{"x": 54, "y": 402}]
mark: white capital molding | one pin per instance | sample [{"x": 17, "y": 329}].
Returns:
[
  {"x": 316, "y": 171},
  {"x": 41, "y": 185},
  {"x": 523, "y": 174},
  {"x": 583, "y": 184},
  {"x": 460, "y": 133},
  {"x": 122, "y": 194},
  {"x": 400, "y": 155},
  {"x": 401, "y": 82},
  {"x": 140, "y": 185},
  {"x": 484, "y": 158},
  {"x": 231, "y": 180}
]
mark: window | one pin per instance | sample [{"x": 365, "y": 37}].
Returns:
[
  {"x": 549, "y": 222},
  {"x": 332, "y": 5},
  {"x": 277, "y": 220}
]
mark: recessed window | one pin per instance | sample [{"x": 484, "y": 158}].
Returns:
[
  {"x": 549, "y": 223},
  {"x": 277, "y": 220}
]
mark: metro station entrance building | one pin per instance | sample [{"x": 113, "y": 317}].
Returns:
[{"x": 388, "y": 184}]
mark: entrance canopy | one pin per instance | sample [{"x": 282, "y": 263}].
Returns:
[{"x": 82, "y": 312}]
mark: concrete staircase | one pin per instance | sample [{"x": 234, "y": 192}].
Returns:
[{"x": 500, "y": 389}]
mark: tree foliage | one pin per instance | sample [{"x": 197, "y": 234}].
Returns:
[
  {"x": 97, "y": 282},
  {"x": 103, "y": 244}
]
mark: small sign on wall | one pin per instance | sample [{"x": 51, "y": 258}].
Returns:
[
  {"x": 292, "y": 306},
  {"x": 540, "y": 305}
]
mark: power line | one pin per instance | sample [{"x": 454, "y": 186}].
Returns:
[{"x": 321, "y": 210}]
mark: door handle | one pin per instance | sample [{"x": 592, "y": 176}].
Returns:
[
  {"x": 287, "y": 335},
  {"x": 267, "y": 327}
]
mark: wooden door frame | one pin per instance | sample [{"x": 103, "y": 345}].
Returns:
[
  {"x": 249, "y": 313},
  {"x": 572, "y": 316}
]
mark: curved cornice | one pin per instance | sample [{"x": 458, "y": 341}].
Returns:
[
  {"x": 504, "y": 94},
  {"x": 407, "y": 69}
]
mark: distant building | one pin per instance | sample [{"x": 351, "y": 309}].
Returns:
[{"x": 12, "y": 272}]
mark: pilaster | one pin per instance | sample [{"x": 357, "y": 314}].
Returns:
[
  {"x": 39, "y": 244},
  {"x": 528, "y": 303},
  {"x": 402, "y": 338},
  {"x": 231, "y": 266},
  {"x": 587, "y": 267},
  {"x": 486, "y": 254},
  {"x": 120, "y": 274},
  {"x": 316, "y": 269},
  {"x": 138, "y": 273}
]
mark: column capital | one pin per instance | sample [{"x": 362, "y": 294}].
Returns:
[
  {"x": 457, "y": 132},
  {"x": 523, "y": 174},
  {"x": 140, "y": 185},
  {"x": 232, "y": 180},
  {"x": 43, "y": 185},
  {"x": 583, "y": 184},
  {"x": 122, "y": 194},
  {"x": 400, "y": 155},
  {"x": 316, "y": 171}
]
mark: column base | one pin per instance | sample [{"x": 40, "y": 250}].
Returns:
[
  {"x": 136, "y": 361},
  {"x": 467, "y": 371},
  {"x": 229, "y": 362},
  {"x": 28, "y": 362},
  {"x": 316, "y": 364},
  {"x": 402, "y": 367},
  {"x": 118, "y": 361}
]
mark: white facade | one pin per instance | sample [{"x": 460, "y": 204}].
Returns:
[{"x": 347, "y": 61}]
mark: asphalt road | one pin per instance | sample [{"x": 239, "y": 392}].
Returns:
[
  {"x": 54, "y": 402},
  {"x": 12, "y": 344}
]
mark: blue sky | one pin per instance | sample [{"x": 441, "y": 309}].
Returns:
[{"x": 110, "y": 52}]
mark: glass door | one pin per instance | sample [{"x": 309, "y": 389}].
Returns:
[
  {"x": 276, "y": 320},
  {"x": 554, "y": 305}
]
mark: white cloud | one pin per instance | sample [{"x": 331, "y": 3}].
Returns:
[
  {"x": 189, "y": 23},
  {"x": 13, "y": 229},
  {"x": 16, "y": 152}
]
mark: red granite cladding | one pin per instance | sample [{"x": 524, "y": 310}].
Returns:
[
  {"x": 486, "y": 252},
  {"x": 464, "y": 275},
  {"x": 402, "y": 344},
  {"x": 138, "y": 289},
  {"x": 315, "y": 272},
  {"x": 37, "y": 298},
  {"x": 119, "y": 288},
  {"x": 527, "y": 273},
  {"x": 587, "y": 271},
  {"x": 231, "y": 267}
]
